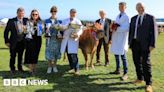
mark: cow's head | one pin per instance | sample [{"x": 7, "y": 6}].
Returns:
[{"x": 96, "y": 28}]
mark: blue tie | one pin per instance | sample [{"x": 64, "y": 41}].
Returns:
[{"x": 120, "y": 15}]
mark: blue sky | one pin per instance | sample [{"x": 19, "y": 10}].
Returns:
[{"x": 86, "y": 9}]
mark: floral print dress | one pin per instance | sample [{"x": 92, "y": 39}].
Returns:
[{"x": 53, "y": 46}]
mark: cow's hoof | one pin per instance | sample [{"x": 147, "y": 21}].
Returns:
[
  {"x": 92, "y": 67},
  {"x": 86, "y": 68}
]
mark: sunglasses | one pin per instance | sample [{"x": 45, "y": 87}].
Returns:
[
  {"x": 72, "y": 12},
  {"x": 34, "y": 14},
  {"x": 53, "y": 11}
]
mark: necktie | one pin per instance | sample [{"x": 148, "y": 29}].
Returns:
[
  {"x": 139, "y": 21},
  {"x": 120, "y": 15},
  {"x": 19, "y": 25},
  {"x": 101, "y": 21},
  {"x": 138, "y": 26},
  {"x": 20, "y": 21}
]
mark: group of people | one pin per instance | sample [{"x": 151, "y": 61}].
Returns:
[{"x": 139, "y": 34}]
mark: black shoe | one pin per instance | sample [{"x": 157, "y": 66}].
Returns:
[
  {"x": 21, "y": 70},
  {"x": 12, "y": 72},
  {"x": 115, "y": 72},
  {"x": 31, "y": 73}
]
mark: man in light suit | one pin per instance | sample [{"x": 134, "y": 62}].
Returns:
[
  {"x": 70, "y": 43},
  {"x": 16, "y": 42},
  {"x": 105, "y": 22},
  {"x": 142, "y": 42},
  {"x": 119, "y": 45}
]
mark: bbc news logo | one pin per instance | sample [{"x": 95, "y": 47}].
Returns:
[{"x": 24, "y": 82}]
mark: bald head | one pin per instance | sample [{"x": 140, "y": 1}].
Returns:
[{"x": 140, "y": 8}]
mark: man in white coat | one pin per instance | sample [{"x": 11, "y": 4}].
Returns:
[
  {"x": 119, "y": 45},
  {"x": 70, "y": 43}
]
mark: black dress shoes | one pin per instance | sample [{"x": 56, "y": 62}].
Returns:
[{"x": 115, "y": 72}]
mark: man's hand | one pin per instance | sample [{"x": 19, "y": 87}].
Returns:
[
  {"x": 114, "y": 26},
  {"x": 7, "y": 44},
  {"x": 151, "y": 48},
  {"x": 75, "y": 36}
]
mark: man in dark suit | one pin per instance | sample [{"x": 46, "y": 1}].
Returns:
[
  {"x": 105, "y": 22},
  {"x": 142, "y": 42},
  {"x": 15, "y": 42}
]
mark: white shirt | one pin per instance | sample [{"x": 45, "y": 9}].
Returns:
[
  {"x": 19, "y": 24},
  {"x": 142, "y": 16},
  {"x": 102, "y": 21},
  {"x": 20, "y": 20},
  {"x": 53, "y": 21}
]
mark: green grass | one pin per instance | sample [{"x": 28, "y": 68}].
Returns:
[{"x": 98, "y": 80}]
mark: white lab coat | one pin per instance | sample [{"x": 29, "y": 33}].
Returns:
[
  {"x": 119, "y": 44},
  {"x": 73, "y": 44}
]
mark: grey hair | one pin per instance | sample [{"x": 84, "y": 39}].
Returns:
[
  {"x": 20, "y": 9},
  {"x": 102, "y": 11},
  {"x": 141, "y": 4}
]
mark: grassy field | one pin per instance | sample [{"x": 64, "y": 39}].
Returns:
[{"x": 98, "y": 80}]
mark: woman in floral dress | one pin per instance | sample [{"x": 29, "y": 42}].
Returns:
[{"x": 53, "y": 44}]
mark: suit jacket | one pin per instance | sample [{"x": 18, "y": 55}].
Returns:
[
  {"x": 11, "y": 28},
  {"x": 146, "y": 34},
  {"x": 106, "y": 30}
]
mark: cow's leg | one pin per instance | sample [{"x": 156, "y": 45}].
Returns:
[
  {"x": 86, "y": 59},
  {"x": 92, "y": 55},
  {"x": 91, "y": 63}
]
